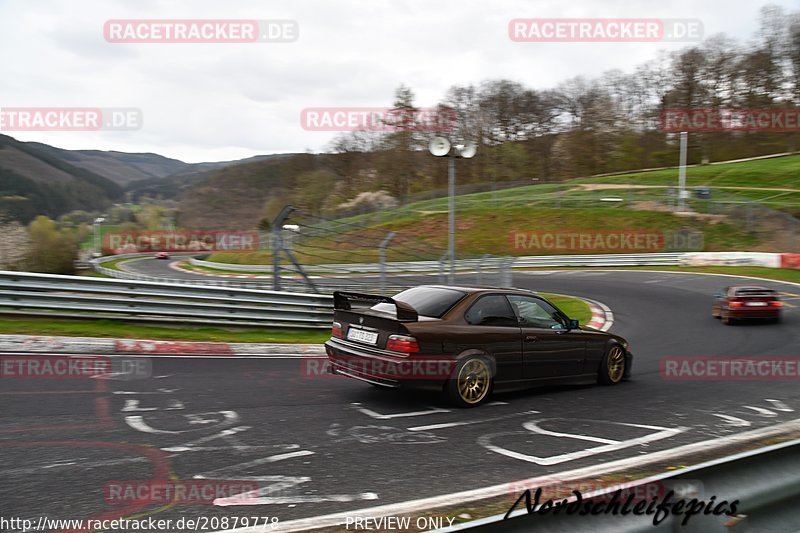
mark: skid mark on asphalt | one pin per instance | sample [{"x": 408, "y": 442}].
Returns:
[
  {"x": 280, "y": 489},
  {"x": 381, "y": 434}
]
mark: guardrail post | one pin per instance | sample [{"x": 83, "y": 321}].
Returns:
[
  {"x": 507, "y": 271},
  {"x": 441, "y": 268},
  {"x": 382, "y": 259},
  {"x": 277, "y": 245}
]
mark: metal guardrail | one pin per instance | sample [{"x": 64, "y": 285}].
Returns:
[
  {"x": 672, "y": 258},
  {"x": 766, "y": 482},
  {"x": 84, "y": 297}
]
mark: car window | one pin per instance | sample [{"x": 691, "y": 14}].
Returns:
[
  {"x": 533, "y": 312},
  {"x": 427, "y": 301},
  {"x": 491, "y": 310},
  {"x": 755, "y": 291}
]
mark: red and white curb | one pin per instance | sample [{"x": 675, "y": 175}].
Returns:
[
  {"x": 602, "y": 317},
  {"x": 101, "y": 346}
]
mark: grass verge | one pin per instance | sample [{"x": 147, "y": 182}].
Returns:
[{"x": 573, "y": 307}]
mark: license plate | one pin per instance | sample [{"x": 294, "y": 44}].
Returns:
[
  {"x": 368, "y": 337},
  {"x": 756, "y": 304}
]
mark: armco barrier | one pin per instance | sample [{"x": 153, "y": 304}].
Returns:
[
  {"x": 84, "y": 297},
  {"x": 765, "y": 483},
  {"x": 466, "y": 264}
]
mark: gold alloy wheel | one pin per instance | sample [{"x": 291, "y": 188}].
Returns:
[
  {"x": 473, "y": 381},
  {"x": 616, "y": 364}
]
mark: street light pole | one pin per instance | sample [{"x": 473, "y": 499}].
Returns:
[
  {"x": 440, "y": 147},
  {"x": 451, "y": 216},
  {"x": 682, "y": 175},
  {"x": 96, "y": 225}
]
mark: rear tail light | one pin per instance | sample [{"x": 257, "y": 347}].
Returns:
[
  {"x": 736, "y": 303},
  {"x": 336, "y": 330},
  {"x": 776, "y": 303},
  {"x": 402, "y": 343}
]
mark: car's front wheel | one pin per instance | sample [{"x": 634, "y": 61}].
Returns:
[
  {"x": 471, "y": 382},
  {"x": 612, "y": 367}
]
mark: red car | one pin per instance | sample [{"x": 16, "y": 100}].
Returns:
[
  {"x": 162, "y": 255},
  {"x": 746, "y": 302}
]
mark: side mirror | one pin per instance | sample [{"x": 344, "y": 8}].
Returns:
[
  {"x": 718, "y": 295},
  {"x": 574, "y": 324}
]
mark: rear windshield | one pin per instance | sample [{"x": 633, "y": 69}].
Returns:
[
  {"x": 428, "y": 301},
  {"x": 755, "y": 291}
]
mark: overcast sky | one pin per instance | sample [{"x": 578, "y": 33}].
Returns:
[{"x": 213, "y": 102}]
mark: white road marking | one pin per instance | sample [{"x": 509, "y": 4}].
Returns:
[
  {"x": 733, "y": 420},
  {"x": 159, "y": 391},
  {"x": 137, "y": 422},
  {"x": 219, "y": 473},
  {"x": 82, "y": 464},
  {"x": 275, "y": 493},
  {"x": 379, "y": 416},
  {"x": 133, "y": 405},
  {"x": 660, "y": 433},
  {"x": 761, "y": 411},
  {"x": 225, "y": 434},
  {"x": 780, "y": 406},
  {"x": 534, "y": 427},
  {"x": 499, "y": 490},
  {"x": 247, "y": 499},
  {"x": 469, "y": 422}
]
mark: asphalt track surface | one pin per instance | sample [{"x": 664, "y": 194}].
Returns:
[{"x": 323, "y": 444}]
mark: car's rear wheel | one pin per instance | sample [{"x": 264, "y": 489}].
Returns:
[
  {"x": 471, "y": 383},
  {"x": 728, "y": 320},
  {"x": 612, "y": 367}
]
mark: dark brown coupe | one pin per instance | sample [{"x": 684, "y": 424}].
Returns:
[{"x": 468, "y": 341}]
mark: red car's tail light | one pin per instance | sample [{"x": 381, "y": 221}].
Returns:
[
  {"x": 736, "y": 303},
  {"x": 402, "y": 343},
  {"x": 336, "y": 330},
  {"x": 775, "y": 303}
]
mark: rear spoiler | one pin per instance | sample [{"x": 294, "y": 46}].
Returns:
[{"x": 405, "y": 313}]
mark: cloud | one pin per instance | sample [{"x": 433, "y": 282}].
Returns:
[{"x": 223, "y": 101}]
